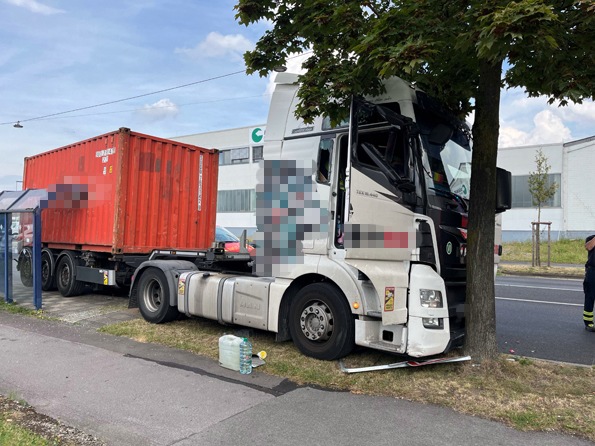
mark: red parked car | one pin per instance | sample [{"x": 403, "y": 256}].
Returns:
[{"x": 232, "y": 242}]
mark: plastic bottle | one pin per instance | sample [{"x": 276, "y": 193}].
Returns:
[
  {"x": 229, "y": 352},
  {"x": 245, "y": 357}
]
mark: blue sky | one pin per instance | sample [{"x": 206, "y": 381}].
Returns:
[{"x": 60, "y": 55}]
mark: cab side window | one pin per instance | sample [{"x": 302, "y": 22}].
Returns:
[
  {"x": 391, "y": 146},
  {"x": 325, "y": 157}
]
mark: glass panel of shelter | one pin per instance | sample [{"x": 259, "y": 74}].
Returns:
[{"x": 20, "y": 221}]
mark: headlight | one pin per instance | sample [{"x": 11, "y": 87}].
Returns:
[
  {"x": 430, "y": 298},
  {"x": 433, "y": 323}
]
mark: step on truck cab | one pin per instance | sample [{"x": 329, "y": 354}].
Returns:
[{"x": 381, "y": 261}]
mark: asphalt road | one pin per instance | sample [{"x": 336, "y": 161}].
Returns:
[{"x": 542, "y": 318}]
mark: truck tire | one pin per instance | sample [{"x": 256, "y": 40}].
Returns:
[
  {"x": 65, "y": 275},
  {"x": 48, "y": 277},
  {"x": 25, "y": 267},
  {"x": 153, "y": 297},
  {"x": 320, "y": 322}
]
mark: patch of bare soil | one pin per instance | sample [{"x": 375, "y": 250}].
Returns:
[{"x": 52, "y": 430}]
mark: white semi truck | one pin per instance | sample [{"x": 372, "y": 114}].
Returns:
[{"x": 389, "y": 273}]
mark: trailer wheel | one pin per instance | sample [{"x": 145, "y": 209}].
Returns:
[
  {"x": 321, "y": 323},
  {"x": 153, "y": 294},
  {"x": 48, "y": 278},
  {"x": 65, "y": 276},
  {"x": 25, "y": 267}
]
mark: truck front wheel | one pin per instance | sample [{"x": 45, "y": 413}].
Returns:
[
  {"x": 321, "y": 323},
  {"x": 153, "y": 293}
]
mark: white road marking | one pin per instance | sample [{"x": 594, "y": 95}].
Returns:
[
  {"x": 539, "y": 301},
  {"x": 541, "y": 287}
]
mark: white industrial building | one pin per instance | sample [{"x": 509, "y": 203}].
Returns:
[
  {"x": 571, "y": 211},
  {"x": 240, "y": 151}
]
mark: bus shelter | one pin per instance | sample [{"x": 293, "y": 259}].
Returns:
[{"x": 20, "y": 243}]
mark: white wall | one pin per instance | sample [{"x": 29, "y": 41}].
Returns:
[
  {"x": 579, "y": 175},
  {"x": 575, "y": 161},
  {"x": 521, "y": 161}
]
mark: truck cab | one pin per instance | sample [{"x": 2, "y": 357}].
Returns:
[
  {"x": 396, "y": 177},
  {"x": 367, "y": 247}
]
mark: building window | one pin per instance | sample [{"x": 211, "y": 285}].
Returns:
[
  {"x": 239, "y": 200},
  {"x": 257, "y": 153},
  {"x": 234, "y": 156},
  {"x": 521, "y": 197}
]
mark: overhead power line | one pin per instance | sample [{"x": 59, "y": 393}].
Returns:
[
  {"x": 137, "y": 96},
  {"x": 157, "y": 107},
  {"x": 127, "y": 99}
]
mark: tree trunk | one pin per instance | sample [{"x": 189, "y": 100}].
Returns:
[{"x": 480, "y": 311}]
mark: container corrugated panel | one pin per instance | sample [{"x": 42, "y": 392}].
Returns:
[{"x": 126, "y": 192}]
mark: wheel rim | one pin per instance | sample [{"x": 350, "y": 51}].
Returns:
[
  {"x": 65, "y": 274},
  {"x": 153, "y": 295},
  {"x": 45, "y": 270},
  {"x": 316, "y": 321}
]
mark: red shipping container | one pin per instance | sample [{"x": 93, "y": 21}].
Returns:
[{"x": 126, "y": 193}]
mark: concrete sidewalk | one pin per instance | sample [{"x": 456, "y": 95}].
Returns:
[{"x": 130, "y": 393}]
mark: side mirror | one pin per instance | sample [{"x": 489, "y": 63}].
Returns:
[{"x": 503, "y": 190}]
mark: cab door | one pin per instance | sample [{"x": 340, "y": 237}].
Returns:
[{"x": 380, "y": 233}]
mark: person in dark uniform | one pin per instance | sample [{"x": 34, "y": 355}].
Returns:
[{"x": 589, "y": 284}]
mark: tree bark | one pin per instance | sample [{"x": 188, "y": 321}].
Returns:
[{"x": 480, "y": 311}]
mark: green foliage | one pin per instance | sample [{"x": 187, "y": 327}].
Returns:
[
  {"x": 539, "y": 186},
  {"x": 455, "y": 51},
  {"x": 541, "y": 191},
  {"x": 436, "y": 43}
]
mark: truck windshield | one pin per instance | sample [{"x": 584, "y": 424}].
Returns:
[{"x": 448, "y": 149}]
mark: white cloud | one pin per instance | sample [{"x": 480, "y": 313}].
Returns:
[
  {"x": 219, "y": 45},
  {"x": 162, "y": 109},
  {"x": 582, "y": 113},
  {"x": 512, "y": 137},
  {"x": 548, "y": 127},
  {"x": 35, "y": 6}
]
